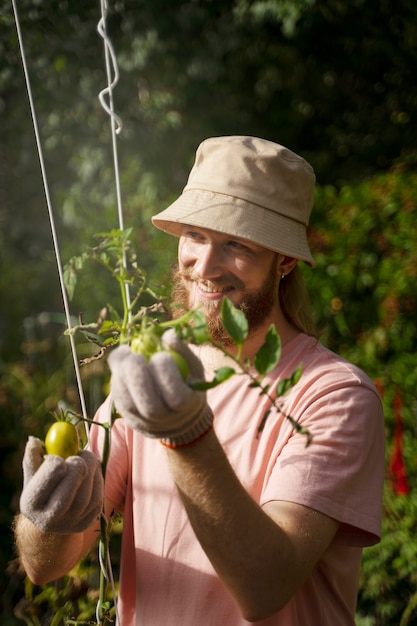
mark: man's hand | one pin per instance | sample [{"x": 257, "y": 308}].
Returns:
[
  {"x": 60, "y": 496},
  {"x": 152, "y": 396}
]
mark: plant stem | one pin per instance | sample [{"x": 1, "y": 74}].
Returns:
[
  {"x": 126, "y": 310},
  {"x": 103, "y": 548}
]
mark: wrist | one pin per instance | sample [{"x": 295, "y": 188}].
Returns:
[{"x": 193, "y": 435}]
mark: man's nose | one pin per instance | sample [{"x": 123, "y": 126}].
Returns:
[{"x": 208, "y": 265}]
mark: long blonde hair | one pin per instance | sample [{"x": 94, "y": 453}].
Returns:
[{"x": 295, "y": 302}]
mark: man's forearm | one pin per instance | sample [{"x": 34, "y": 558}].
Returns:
[
  {"x": 262, "y": 555},
  {"x": 48, "y": 556},
  {"x": 244, "y": 545}
]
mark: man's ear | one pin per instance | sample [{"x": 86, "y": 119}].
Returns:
[{"x": 286, "y": 265}]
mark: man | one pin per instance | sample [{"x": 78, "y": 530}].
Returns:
[{"x": 233, "y": 519}]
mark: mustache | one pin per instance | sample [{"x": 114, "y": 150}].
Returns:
[{"x": 227, "y": 280}]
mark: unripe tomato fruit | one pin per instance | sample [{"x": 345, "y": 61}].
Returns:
[
  {"x": 62, "y": 440},
  {"x": 148, "y": 342},
  {"x": 181, "y": 364}
]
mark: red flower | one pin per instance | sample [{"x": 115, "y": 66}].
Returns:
[{"x": 397, "y": 467}]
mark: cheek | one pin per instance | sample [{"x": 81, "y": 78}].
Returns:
[
  {"x": 185, "y": 255},
  {"x": 257, "y": 274},
  {"x": 181, "y": 255}
]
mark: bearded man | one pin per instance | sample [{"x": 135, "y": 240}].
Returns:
[{"x": 232, "y": 519}]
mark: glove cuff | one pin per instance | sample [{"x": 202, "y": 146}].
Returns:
[{"x": 193, "y": 435}]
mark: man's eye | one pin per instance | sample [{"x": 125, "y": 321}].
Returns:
[
  {"x": 192, "y": 234},
  {"x": 237, "y": 245}
]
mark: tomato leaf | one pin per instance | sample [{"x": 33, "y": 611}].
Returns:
[
  {"x": 269, "y": 353},
  {"x": 234, "y": 322},
  {"x": 296, "y": 375},
  {"x": 193, "y": 329},
  {"x": 200, "y": 333},
  {"x": 283, "y": 386},
  {"x": 107, "y": 326},
  {"x": 287, "y": 383},
  {"x": 220, "y": 375},
  {"x": 74, "y": 265},
  {"x": 70, "y": 280}
]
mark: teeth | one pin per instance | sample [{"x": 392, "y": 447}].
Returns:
[{"x": 210, "y": 288}]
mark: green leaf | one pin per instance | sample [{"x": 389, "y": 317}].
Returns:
[
  {"x": 224, "y": 373},
  {"x": 194, "y": 329},
  {"x": 79, "y": 261},
  {"x": 70, "y": 280},
  {"x": 269, "y": 354},
  {"x": 107, "y": 326},
  {"x": 200, "y": 333},
  {"x": 296, "y": 375},
  {"x": 110, "y": 341},
  {"x": 287, "y": 383},
  {"x": 220, "y": 376},
  {"x": 283, "y": 386},
  {"x": 90, "y": 336},
  {"x": 234, "y": 322}
]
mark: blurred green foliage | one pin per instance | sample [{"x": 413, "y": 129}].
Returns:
[
  {"x": 335, "y": 81},
  {"x": 365, "y": 300}
]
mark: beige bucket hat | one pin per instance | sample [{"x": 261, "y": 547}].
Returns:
[{"x": 249, "y": 188}]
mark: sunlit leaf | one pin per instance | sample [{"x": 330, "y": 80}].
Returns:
[
  {"x": 110, "y": 341},
  {"x": 194, "y": 329},
  {"x": 287, "y": 383},
  {"x": 234, "y": 322},
  {"x": 269, "y": 354},
  {"x": 224, "y": 373},
  {"x": 220, "y": 376},
  {"x": 79, "y": 261},
  {"x": 296, "y": 375},
  {"x": 70, "y": 280},
  {"x": 283, "y": 386},
  {"x": 107, "y": 326},
  {"x": 199, "y": 328},
  {"x": 93, "y": 337}
]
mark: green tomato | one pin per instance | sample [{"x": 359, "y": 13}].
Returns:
[
  {"x": 147, "y": 343},
  {"x": 62, "y": 440},
  {"x": 181, "y": 364}
]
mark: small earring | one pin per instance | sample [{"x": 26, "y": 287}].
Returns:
[{"x": 282, "y": 276}]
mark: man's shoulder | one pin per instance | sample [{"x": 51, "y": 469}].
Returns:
[{"x": 321, "y": 364}]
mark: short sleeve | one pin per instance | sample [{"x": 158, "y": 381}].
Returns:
[{"x": 341, "y": 473}]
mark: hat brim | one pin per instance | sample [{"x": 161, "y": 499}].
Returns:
[{"x": 236, "y": 217}]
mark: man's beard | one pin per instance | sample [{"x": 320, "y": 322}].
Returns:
[{"x": 255, "y": 304}]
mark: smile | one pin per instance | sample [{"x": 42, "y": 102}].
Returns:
[
  {"x": 211, "y": 291},
  {"x": 211, "y": 288}
]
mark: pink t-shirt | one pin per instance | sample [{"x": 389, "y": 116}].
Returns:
[{"x": 166, "y": 578}]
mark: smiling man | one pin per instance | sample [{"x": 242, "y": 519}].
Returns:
[{"x": 232, "y": 519}]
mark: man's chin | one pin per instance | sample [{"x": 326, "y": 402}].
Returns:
[{"x": 211, "y": 309}]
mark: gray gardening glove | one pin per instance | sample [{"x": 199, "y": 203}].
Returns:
[
  {"x": 60, "y": 496},
  {"x": 154, "y": 399}
]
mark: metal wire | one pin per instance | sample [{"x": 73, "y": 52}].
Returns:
[
  {"x": 116, "y": 126},
  {"x": 112, "y": 71},
  {"x": 51, "y": 215}
]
